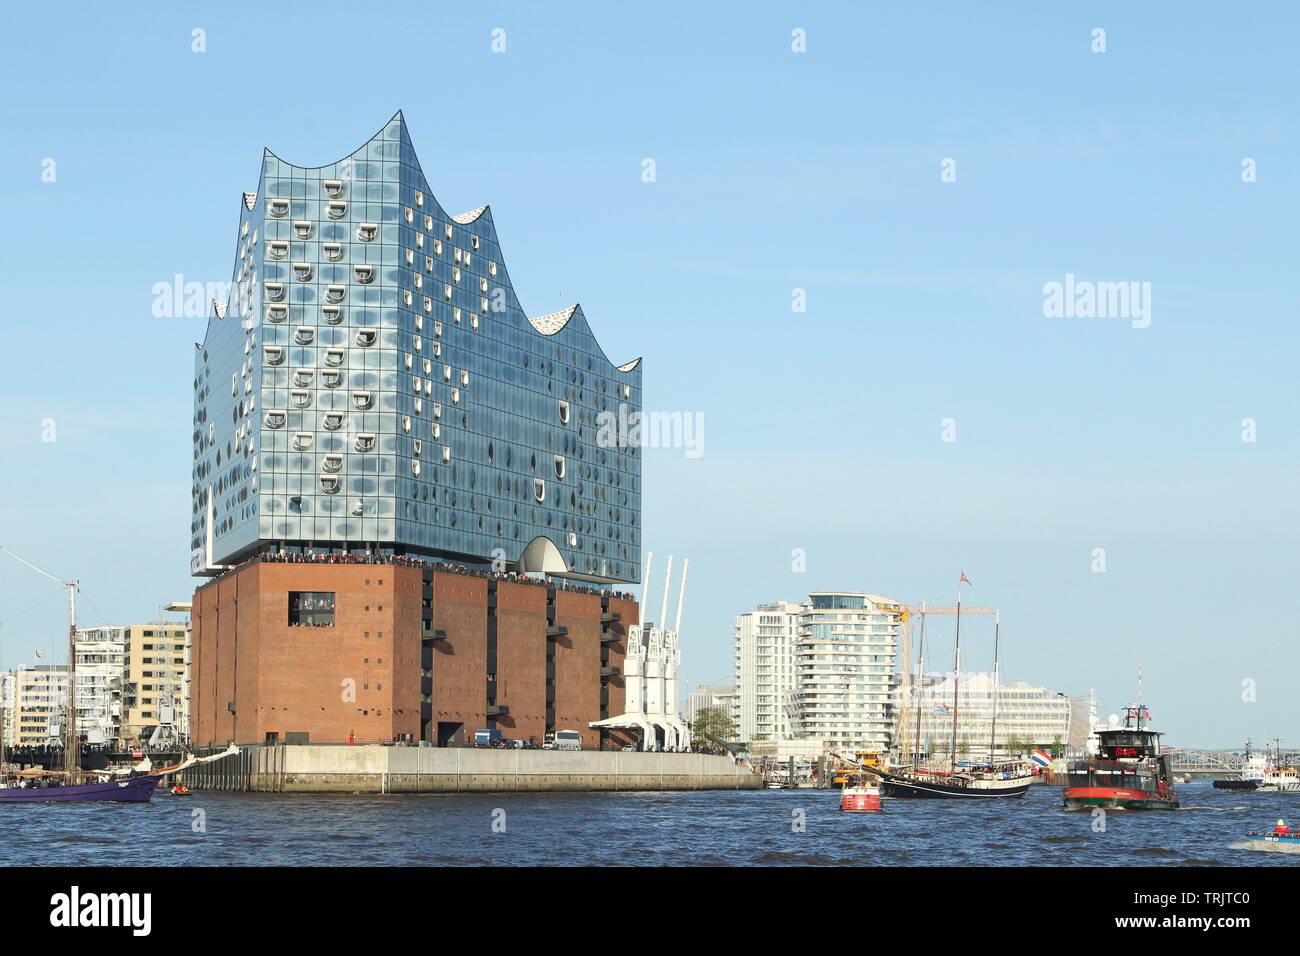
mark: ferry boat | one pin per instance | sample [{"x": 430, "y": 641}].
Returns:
[{"x": 1130, "y": 772}]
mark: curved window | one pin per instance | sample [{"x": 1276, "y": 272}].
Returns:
[
  {"x": 446, "y": 453},
  {"x": 366, "y": 337},
  {"x": 367, "y": 231},
  {"x": 277, "y": 249},
  {"x": 333, "y": 421},
  {"x": 277, "y": 313},
  {"x": 333, "y": 188},
  {"x": 415, "y": 466},
  {"x": 302, "y": 440},
  {"x": 275, "y": 291},
  {"x": 364, "y": 274},
  {"x": 361, "y": 399},
  {"x": 559, "y": 466},
  {"x": 303, "y": 377},
  {"x": 279, "y": 208},
  {"x": 332, "y": 462},
  {"x": 333, "y": 251},
  {"x": 332, "y": 314},
  {"x": 302, "y": 228},
  {"x": 300, "y": 397},
  {"x": 336, "y": 210},
  {"x": 302, "y": 271},
  {"x": 539, "y": 489},
  {"x": 564, "y": 413},
  {"x": 334, "y": 357},
  {"x": 275, "y": 419},
  {"x": 364, "y": 443},
  {"x": 331, "y": 378},
  {"x": 304, "y": 335},
  {"x": 335, "y": 293},
  {"x": 273, "y": 353},
  {"x": 329, "y": 484}
]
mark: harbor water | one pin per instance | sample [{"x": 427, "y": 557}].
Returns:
[{"x": 758, "y": 828}]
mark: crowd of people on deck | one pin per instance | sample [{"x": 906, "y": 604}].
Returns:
[{"x": 311, "y": 556}]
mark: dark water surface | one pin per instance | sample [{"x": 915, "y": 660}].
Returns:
[{"x": 656, "y": 829}]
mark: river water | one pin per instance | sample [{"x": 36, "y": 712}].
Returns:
[{"x": 759, "y": 828}]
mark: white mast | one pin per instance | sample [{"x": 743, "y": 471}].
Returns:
[{"x": 71, "y": 743}]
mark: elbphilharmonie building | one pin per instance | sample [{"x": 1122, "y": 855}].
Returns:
[{"x": 373, "y": 385}]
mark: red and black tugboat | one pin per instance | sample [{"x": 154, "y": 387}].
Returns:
[{"x": 1129, "y": 773}]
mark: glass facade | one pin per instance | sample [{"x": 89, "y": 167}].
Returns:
[{"x": 373, "y": 382}]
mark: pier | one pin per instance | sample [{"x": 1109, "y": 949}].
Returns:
[{"x": 340, "y": 768}]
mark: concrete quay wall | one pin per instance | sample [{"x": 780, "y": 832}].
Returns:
[{"x": 290, "y": 768}]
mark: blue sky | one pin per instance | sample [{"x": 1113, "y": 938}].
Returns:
[{"x": 775, "y": 171}]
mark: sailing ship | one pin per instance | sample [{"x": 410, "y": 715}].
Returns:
[
  {"x": 1129, "y": 773},
  {"x": 71, "y": 784},
  {"x": 979, "y": 781}
]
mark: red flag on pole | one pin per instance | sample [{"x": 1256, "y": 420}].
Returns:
[{"x": 964, "y": 579}]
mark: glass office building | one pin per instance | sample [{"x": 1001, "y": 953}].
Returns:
[{"x": 372, "y": 383}]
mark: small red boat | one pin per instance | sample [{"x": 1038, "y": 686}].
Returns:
[
  {"x": 861, "y": 799},
  {"x": 181, "y": 790}
]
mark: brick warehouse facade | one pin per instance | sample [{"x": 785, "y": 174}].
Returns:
[{"x": 404, "y": 649}]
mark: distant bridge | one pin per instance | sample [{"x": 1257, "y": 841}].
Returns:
[{"x": 1226, "y": 762}]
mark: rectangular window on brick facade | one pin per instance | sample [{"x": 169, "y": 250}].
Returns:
[{"x": 311, "y": 608}]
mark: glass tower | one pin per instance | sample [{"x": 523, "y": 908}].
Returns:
[{"x": 372, "y": 383}]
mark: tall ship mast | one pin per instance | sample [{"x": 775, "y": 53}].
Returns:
[{"x": 958, "y": 781}]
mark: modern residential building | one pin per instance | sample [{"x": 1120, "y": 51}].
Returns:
[
  {"x": 101, "y": 671},
  {"x": 764, "y": 641},
  {"x": 847, "y": 670},
  {"x": 384, "y": 442},
  {"x": 721, "y": 697},
  {"x": 41, "y": 695},
  {"x": 1026, "y": 716},
  {"x": 155, "y": 682}
]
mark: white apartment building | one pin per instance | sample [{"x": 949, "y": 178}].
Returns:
[
  {"x": 846, "y": 663},
  {"x": 101, "y": 659},
  {"x": 764, "y": 641},
  {"x": 7, "y": 686},
  {"x": 721, "y": 697}
]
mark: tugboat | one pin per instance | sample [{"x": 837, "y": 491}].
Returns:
[
  {"x": 1252, "y": 773},
  {"x": 1130, "y": 772}
]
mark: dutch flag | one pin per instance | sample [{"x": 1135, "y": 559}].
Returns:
[{"x": 1040, "y": 758}]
